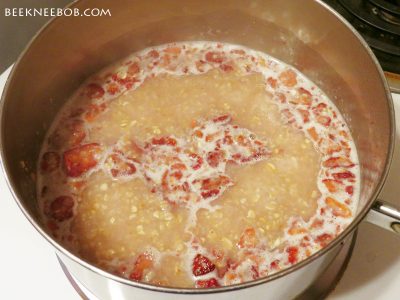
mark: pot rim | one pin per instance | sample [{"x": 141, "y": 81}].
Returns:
[{"x": 352, "y": 226}]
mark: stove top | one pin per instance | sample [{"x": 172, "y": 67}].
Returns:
[{"x": 378, "y": 21}]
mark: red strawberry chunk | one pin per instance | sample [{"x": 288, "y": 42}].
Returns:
[
  {"x": 120, "y": 167},
  {"x": 210, "y": 193},
  {"x": 61, "y": 208},
  {"x": 71, "y": 133},
  {"x": 133, "y": 69},
  {"x": 143, "y": 262},
  {"x": 222, "y": 119},
  {"x": 226, "y": 67},
  {"x": 202, "y": 265},
  {"x": 343, "y": 175},
  {"x": 81, "y": 159},
  {"x": 335, "y": 162},
  {"x": 349, "y": 190},
  {"x": 292, "y": 254},
  {"x": 274, "y": 265},
  {"x": 288, "y": 78},
  {"x": 215, "y": 182},
  {"x": 93, "y": 111},
  {"x": 50, "y": 161},
  {"x": 94, "y": 91},
  {"x": 324, "y": 120},
  {"x": 324, "y": 239},
  {"x": 254, "y": 272},
  {"x": 215, "y": 57},
  {"x": 197, "y": 161},
  {"x": 214, "y": 158},
  {"x": 204, "y": 284},
  {"x": 169, "y": 141},
  {"x": 248, "y": 239}
]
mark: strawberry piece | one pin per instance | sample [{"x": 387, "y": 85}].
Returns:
[
  {"x": 61, "y": 208},
  {"x": 178, "y": 166},
  {"x": 228, "y": 140},
  {"x": 215, "y": 57},
  {"x": 153, "y": 53},
  {"x": 71, "y": 134},
  {"x": 226, "y": 67},
  {"x": 133, "y": 150},
  {"x": 168, "y": 141},
  {"x": 81, "y": 159},
  {"x": 50, "y": 162},
  {"x": 292, "y": 254},
  {"x": 198, "y": 134},
  {"x": 302, "y": 97},
  {"x": 93, "y": 111},
  {"x": 198, "y": 161},
  {"x": 178, "y": 175},
  {"x": 274, "y": 265},
  {"x": 304, "y": 91},
  {"x": 120, "y": 167},
  {"x": 319, "y": 108},
  {"x": 209, "y": 283},
  {"x": 272, "y": 82},
  {"x": 335, "y": 162},
  {"x": 215, "y": 183},
  {"x": 128, "y": 81},
  {"x": 288, "y": 78},
  {"x": 254, "y": 272},
  {"x": 94, "y": 91},
  {"x": 224, "y": 119},
  {"x": 143, "y": 261},
  {"x": 77, "y": 131},
  {"x": 313, "y": 133},
  {"x": 333, "y": 148},
  {"x": 338, "y": 209},
  {"x": 296, "y": 229},
  {"x": 133, "y": 69},
  {"x": 210, "y": 193},
  {"x": 288, "y": 115},
  {"x": 202, "y": 265},
  {"x": 343, "y": 175},
  {"x": 113, "y": 88},
  {"x": 173, "y": 50},
  {"x": 238, "y": 52},
  {"x": 317, "y": 223},
  {"x": 331, "y": 185},
  {"x": 248, "y": 239},
  {"x": 324, "y": 120},
  {"x": 223, "y": 269},
  {"x": 214, "y": 158},
  {"x": 349, "y": 190},
  {"x": 324, "y": 239},
  {"x": 243, "y": 141},
  {"x": 305, "y": 114}
]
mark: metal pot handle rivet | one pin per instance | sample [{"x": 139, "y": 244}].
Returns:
[{"x": 384, "y": 215}]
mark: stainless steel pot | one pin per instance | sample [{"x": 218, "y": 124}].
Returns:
[{"x": 305, "y": 34}]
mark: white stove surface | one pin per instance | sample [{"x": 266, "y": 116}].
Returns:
[{"x": 29, "y": 268}]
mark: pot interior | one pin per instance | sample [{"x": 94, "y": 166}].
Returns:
[{"x": 304, "y": 34}]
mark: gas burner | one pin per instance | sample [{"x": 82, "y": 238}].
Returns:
[
  {"x": 378, "y": 21},
  {"x": 387, "y": 10}
]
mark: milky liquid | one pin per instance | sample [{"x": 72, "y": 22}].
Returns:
[{"x": 270, "y": 210}]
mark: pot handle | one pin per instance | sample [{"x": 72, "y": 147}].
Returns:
[{"x": 384, "y": 215}]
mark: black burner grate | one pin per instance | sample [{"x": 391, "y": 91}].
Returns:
[{"x": 378, "y": 21}]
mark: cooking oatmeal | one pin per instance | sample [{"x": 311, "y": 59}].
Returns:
[{"x": 197, "y": 165}]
